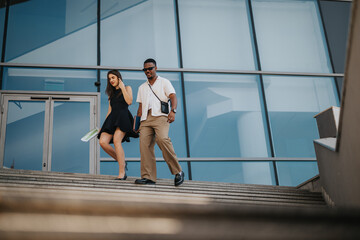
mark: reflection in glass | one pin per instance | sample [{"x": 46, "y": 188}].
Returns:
[
  {"x": 292, "y": 104},
  {"x": 290, "y": 36},
  {"x": 216, "y": 34},
  {"x": 132, "y": 31},
  {"x": 250, "y": 172},
  {"x": 177, "y": 129},
  {"x": 38, "y": 79},
  {"x": 224, "y": 116},
  {"x": 24, "y": 135},
  {"x": 52, "y": 32},
  {"x": 71, "y": 121},
  {"x": 294, "y": 173}
]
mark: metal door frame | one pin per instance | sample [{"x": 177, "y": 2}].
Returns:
[{"x": 49, "y": 98}]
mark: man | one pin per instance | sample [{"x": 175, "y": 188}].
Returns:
[{"x": 155, "y": 125}]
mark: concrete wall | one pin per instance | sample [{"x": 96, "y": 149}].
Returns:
[{"x": 340, "y": 170}]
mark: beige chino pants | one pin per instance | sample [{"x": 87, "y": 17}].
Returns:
[{"x": 156, "y": 129}]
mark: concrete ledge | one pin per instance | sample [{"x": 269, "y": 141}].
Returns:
[
  {"x": 329, "y": 143},
  {"x": 328, "y": 122},
  {"x": 327, "y": 198},
  {"x": 312, "y": 185}
]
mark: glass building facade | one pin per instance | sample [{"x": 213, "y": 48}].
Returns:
[{"x": 249, "y": 74}]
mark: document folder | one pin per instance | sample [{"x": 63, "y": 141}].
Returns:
[
  {"x": 136, "y": 123},
  {"x": 91, "y": 134}
]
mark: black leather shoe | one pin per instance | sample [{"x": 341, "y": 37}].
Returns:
[
  {"x": 179, "y": 178},
  {"x": 144, "y": 181}
]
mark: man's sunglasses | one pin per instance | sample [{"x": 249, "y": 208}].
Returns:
[{"x": 149, "y": 68}]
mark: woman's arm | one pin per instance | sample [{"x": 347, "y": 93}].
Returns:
[{"x": 127, "y": 92}]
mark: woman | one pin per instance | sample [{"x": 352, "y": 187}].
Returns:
[{"x": 118, "y": 125}]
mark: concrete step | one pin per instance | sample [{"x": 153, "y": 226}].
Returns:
[
  {"x": 70, "y": 217},
  {"x": 241, "y": 194},
  {"x": 52, "y": 176},
  {"x": 48, "y": 205},
  {"x": 168, "y": 185}
]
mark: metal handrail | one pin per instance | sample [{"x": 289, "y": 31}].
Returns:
[{"x": 184, "y": 70}]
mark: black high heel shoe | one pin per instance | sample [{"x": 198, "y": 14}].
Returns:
[{"x": 123, "y": 178}]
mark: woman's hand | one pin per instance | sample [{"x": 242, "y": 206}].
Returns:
[{"x": 121, "y": 85}]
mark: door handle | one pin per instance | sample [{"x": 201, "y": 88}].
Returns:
[
  {"x": 46, "y": 98},
  {"x": 60, "y": 98},
  {"x": 39, "y": 98}
]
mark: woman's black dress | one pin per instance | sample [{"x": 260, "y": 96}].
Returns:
[{"x": 119, "y": 116}]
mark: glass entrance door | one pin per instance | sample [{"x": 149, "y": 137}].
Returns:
[
  {"x": 43, "y": 132},
  {"x": 70, "y": 122},
  {"x": 25, "y": 134}
]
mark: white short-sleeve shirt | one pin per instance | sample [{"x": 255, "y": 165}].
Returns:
[{"x": 163, "y": 88}]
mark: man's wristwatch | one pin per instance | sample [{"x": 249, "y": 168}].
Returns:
[{"x": 173, "y": 110}]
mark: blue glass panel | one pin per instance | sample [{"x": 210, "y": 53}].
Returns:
[
  {"x": 225, "y": 117},
  {"x": 71, "y": 121},
  {"x": 52, "y": 32},
  {"x": 290, "y": 36},
  {"x": 112, "y": 168},
  {"x": 294, "y": 173},
  {"x": 250, "y": 172},
  {"x": 132, "y": 31},
  {"x": 24, "y": 135},
  {"x": 163, "y": 170},
  {"x": 177, "y": 129},
  {"x": 38, "y": 79},
  {"x": 216, "y": 34},
  {"x": 292, "y": 104},
  {"x": 336, "y": 17},
  {"x": 2, "y": 22}
]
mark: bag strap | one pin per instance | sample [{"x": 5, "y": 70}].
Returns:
[{"x": 154, "y": 92}]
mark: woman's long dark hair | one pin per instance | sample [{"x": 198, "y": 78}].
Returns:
[{"x": 110, "y": 90}]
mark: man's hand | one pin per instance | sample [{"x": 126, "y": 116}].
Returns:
[{"x": 171, "y": 117}]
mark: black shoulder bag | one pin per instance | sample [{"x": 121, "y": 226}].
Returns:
[{"x": 164, "y": 105}]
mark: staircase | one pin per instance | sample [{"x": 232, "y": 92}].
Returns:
[{"x": 49, "y": 205}]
